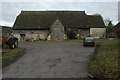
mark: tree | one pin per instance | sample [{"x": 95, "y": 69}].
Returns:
[
  {"x": 110, "y": 30},
  {"x": 107, "y": 21},
  {"x": 110, "y": 23},
  {"x": 110, "y": 27}
]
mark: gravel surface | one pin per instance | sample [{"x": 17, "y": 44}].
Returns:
[{"x": 51, "y": 60}]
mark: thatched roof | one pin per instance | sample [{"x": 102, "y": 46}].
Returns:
[
  {"x": 118, "y": 25},
  {"x": 44, "y": 19}
]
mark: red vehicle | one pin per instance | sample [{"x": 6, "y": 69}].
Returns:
[{"x": 9, "y": 40}]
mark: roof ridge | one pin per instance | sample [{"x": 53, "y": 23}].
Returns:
[
  {"x": 52, "y": 11},
  {"x": 26, "y": 12}
]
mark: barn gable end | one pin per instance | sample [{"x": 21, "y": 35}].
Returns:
[{"x": 57, "y": 30}]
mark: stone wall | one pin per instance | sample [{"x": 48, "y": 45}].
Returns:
[
  {"x": 17, "y": 35},
  {"x": 46, "y": 35},
  {"x": 98, "y": 32},
  {"x": 32, "y": 34},
  {"x": 57, "y": 30},
  {"x": 83, "y": 33}
]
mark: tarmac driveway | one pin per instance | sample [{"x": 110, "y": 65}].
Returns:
[{"x": 51, "y": 60}]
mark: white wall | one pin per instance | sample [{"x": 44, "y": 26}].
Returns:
[{"x": 98, "y": 32}]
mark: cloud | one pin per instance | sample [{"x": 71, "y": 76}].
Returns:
[
  {"x": 4, "y": 23},
  {"x": 59, "y": 0},
  {"x": 10, "y": 10}
]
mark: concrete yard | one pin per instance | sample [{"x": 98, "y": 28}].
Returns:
[{"x": 57, "y": 59}]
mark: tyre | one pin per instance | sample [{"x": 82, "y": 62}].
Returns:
[
  {"x": 16, "y": 44},
  {"x": 12, "y": 46}
]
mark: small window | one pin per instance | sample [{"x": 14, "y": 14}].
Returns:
[{"x": 22, "y": 34}]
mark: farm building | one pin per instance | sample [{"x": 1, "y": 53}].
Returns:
[
  {"x": 5, "y": 30},
  {"x": 58, "y": 25},
  {"x": 117, "y": 30}
]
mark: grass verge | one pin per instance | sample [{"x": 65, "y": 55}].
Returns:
[
  {"x": 105, "y": 63},
  {"x": 11, "y": 55}
]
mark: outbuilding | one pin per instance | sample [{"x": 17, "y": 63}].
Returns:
[{"x": 6, "y": 30}]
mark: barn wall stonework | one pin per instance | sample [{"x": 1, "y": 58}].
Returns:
[
  {"x": 83, "y": 33},
  {"x": 98, "y": 32},
  {"x": 57, "y": 30},
  {"x": 17, "y": 35},
  {"x": 35, "y": 34},
  {"x": 49, "y": 37}
]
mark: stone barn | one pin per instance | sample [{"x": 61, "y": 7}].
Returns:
[{"x": 58, "y": 25}]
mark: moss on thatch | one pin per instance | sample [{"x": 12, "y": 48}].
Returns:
[{"x": 44, "y": 19}]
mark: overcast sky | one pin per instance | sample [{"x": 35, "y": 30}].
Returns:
[{"x": 11, "y": 9}]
